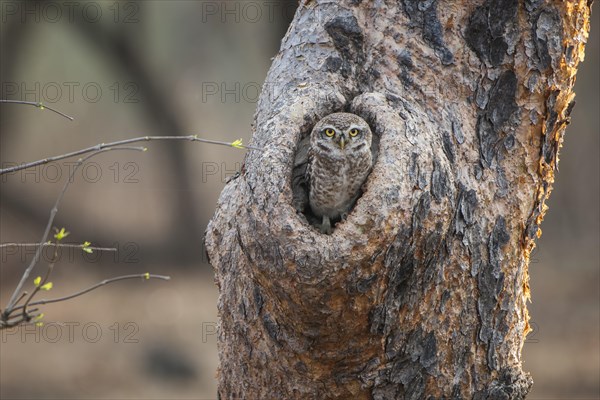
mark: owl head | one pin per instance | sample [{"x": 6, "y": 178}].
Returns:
[{"x": 342, "y": 133}]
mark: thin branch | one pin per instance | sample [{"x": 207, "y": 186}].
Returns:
[
  {"x": 36, "y": 258},
  {"x": 96, "y": 286},
  {"x": 21, "y": 298},
  {"x": 39, "y": 285},
  {"x": 20, "y": 321},
  {"x": 68, "y": 245},
  {"x": 101, "y": 146},
  {"x": 38, "y": 105}
]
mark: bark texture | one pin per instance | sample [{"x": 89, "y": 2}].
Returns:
[{"x": 421, "y": 293}]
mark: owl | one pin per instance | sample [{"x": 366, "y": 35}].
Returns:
[{"x": 339, "y": 160}]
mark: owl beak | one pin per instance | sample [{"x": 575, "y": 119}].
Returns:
[{"x": 342, "y": 143}]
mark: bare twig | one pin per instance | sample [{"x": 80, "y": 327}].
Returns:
[
  {"x": 96, "y": 286},
  {"x": 17, "y": 321},
  {"x": 25, "y": 317},
  {"x": 39, "y": 285},
  {"x": 23, "y": 295},
  {"x": 68, "y": 245},
  {"x": 39, "y": 105},
  {"x": 101, "y": 146},
  {"x": 36, "y": 258}
]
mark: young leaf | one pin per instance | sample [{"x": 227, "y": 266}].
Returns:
[
  {"x": 86, "y": 247},
  {"x": 60, "y": 235},
  {"x": 238, "y": 144}
]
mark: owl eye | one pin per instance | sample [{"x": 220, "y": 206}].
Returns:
[
  {"x": 329, "y": 132},
  {"x": 353, "y": 132}
]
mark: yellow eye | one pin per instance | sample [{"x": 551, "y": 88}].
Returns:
[
  {"x": 353, "y": 132},
  {"x": 329, "y": 132}
]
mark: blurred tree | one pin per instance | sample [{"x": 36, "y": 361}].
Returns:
[{"x": 421, "y": 292}]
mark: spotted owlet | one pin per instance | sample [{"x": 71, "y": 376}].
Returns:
[{"x": 339, "y": 161}]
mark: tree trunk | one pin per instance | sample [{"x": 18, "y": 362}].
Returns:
[{"x": 421, "y": 292}]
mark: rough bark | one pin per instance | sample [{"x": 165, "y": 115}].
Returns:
[{"x": 422, "y": 291}]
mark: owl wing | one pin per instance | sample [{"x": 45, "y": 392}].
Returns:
[{"x": 300, "y": 175}]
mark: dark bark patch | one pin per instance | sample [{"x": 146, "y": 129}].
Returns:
[
  {"x": 406, "y": 66},
  {"x": 348, "y": 40},
  {"x": 448, "y": 146},
  {"x": 439, "y": 182},
  {"x": 511, "y": 385},
  {"x": 444, "y": 300},
  {"x": 509, "y": 142},
  {"x": 550, "y": 145},
  {"x": 258, "y": 299},
  {"x": 433, "y": 253},
  {"x": 465, "y": 210},
  {"x": 377, "y": 319},
  {"x": 400, "y": 261},
  {"x": 301, "y": 367},
  {"x": 413, "y": 167},
  {"x": 478, "y": 171},
  {"x": 490, "y": 286},
  {"x": 403, "y": 371},
  {"x": 547, "y": 31},
  {"x": 420, "y": 212},
  {"x": 405, "y": 61},
  {"x": 363, "y": 285},
  {"x": 501, "y": 182},
  {"x": 415, "y": 390},
  {"x": 429, "y": 355},
  {"x": 486, "y": 27},
  {"x": 499, "y": 109},
  {"x": 457, "y": 131},
  {"x": 384, "y": 391},
  {"x": 399, "y": 277},
  {"x": 501, "y": 104},
  {"x": 271, "y": 327},
  {"x": 488, "y": 138},
  {"x": 333, "y": 64},
  {"x": 373, "y": 74},
  {"x": 415, "y": 173},
  {"x": 411, "y": 368},
  {"x": 570, "y": 107},
  {"x": 533, "y": 5},
  {"x": 358, "y": 283},
  {"x": 498, "y": 239},
  {"x": 491, "y": 283},
  {"x": 424, "y": 15}
]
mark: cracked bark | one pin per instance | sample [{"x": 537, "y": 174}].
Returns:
[{"x": 422, "y": 291}]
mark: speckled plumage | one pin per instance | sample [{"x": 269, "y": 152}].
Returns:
[{"x": 338, "y": 165}]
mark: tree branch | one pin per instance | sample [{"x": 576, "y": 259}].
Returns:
[
  {"x": 66, "y": 245},
  {"x": 96, "y": 286},
  {"x": 18, "y": 321},
  {"x": 39, "y": 105},
  {"x": 193, "y": 138},
  {"x": 36, "y": 258}
]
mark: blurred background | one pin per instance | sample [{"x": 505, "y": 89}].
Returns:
[{"x": 128, "y": 69}]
